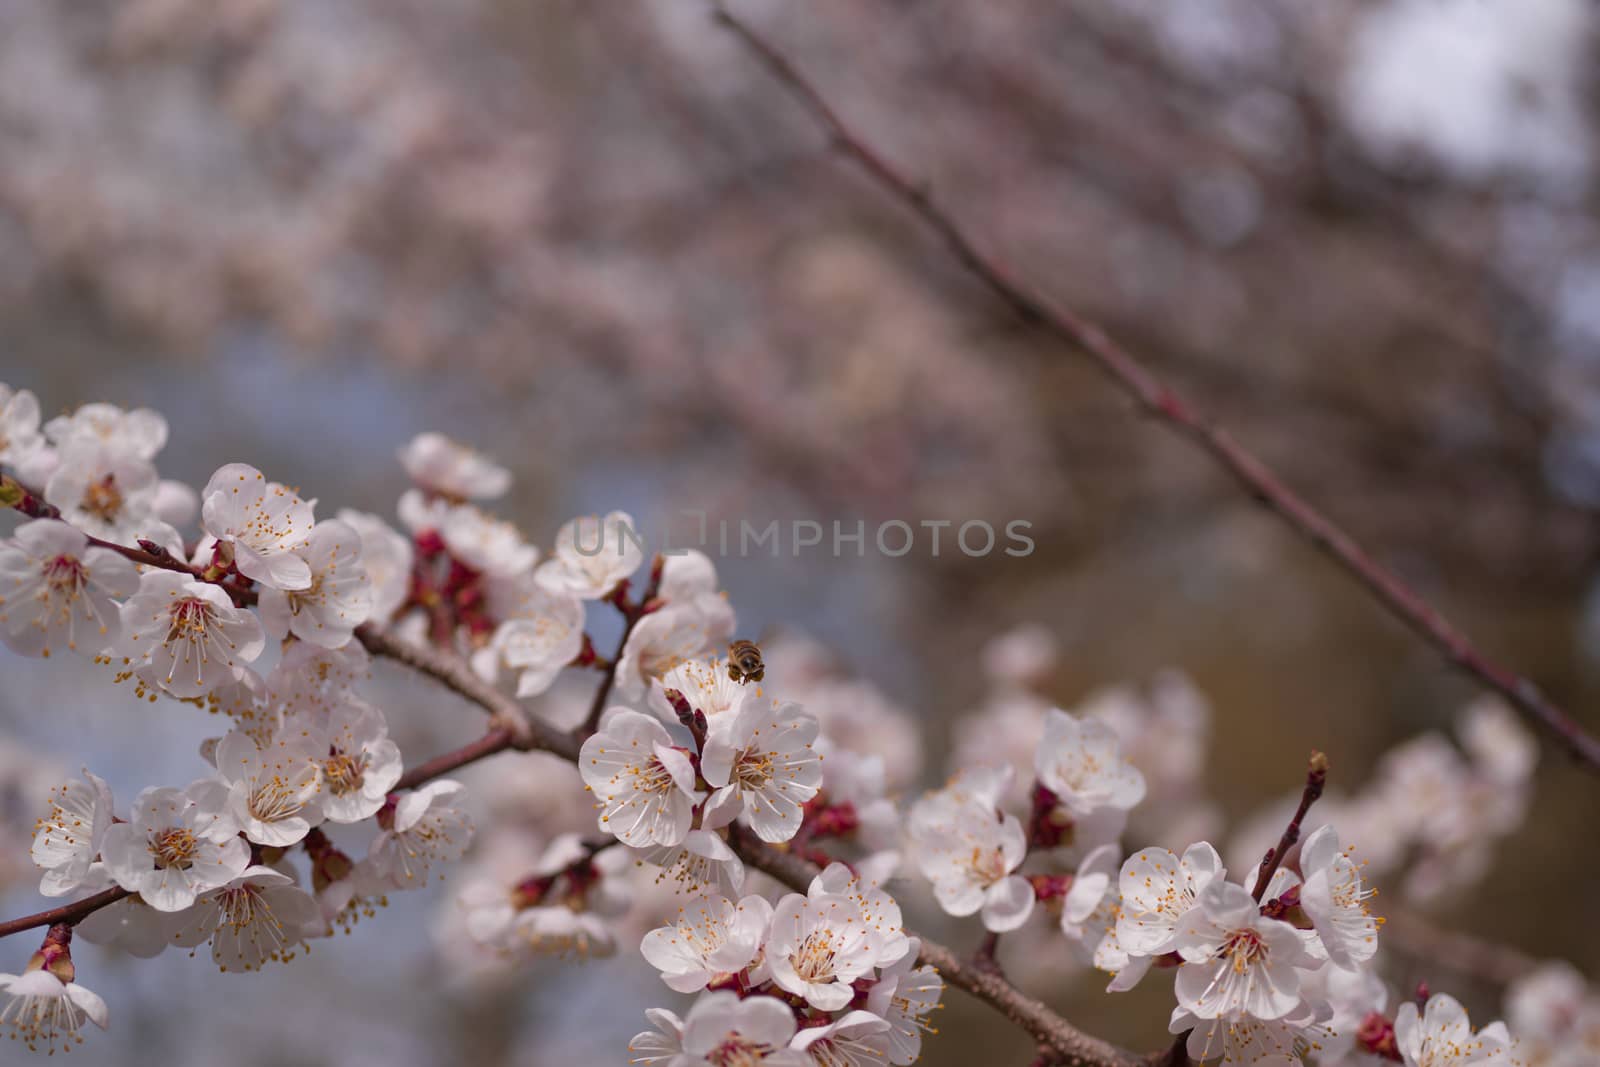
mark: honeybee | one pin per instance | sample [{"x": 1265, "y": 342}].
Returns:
[{"x": 744, "y": 662}]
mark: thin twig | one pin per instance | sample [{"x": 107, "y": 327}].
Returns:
[
  {"x": 496, "y": 740},
  {"x": 1316, "y": 780},
  {"x": 632, "y": 613},
  {"x": 455, "y": 674},
  {"x": 1157, "y": 399},
  {"x": 986, "y": 958}
]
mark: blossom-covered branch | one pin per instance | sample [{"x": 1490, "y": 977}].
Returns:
[
  {"x": 1157, "y": 399},
  {"x": 1071, "y": 1046},
  {"x": 691, "y": 771},
  {"x": 500, "y": 739}
]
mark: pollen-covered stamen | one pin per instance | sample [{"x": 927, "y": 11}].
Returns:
[
  {"x": 300, "y": 599},
  {"x": 814, "y": 959},
  {"x": 65, "y": 576},
  {"x": 276, "y": 798},
  {"x": 189, "y": 619},
  {"x": 246, "y": 912},
  {"x": 70, "y": 821},
  {"x": 1244, "y": 948},
  {"x": 44, "y": 1021},
  {"x": 755, "y": 770},
  {"x": 192, "y": 633},
  {"x": 988, "y": 865},
  {"x": 736, "y": 1051},
  {"x": 103, "y": 499},
  {"x": 174, "y": 848},
  {"x": 651, "y": 776},
  {"x": 344, "y": 771}
]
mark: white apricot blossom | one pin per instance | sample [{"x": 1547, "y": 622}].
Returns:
[
  {"x": 172, "y": 849},
  {"x": 19, "y": 425},
  {"x": 140, "y": 433},
  {"x": 879, "y": 911},
  {"x": 535, "y": 645},
  {"x": 129, "y": 925},
  {"x": 424, "y": 827},
  {"x": 710, "y": 936},
  {"x": 663, "y": 1045},
  {"x": 1334, "y": 897},
  {"x": 265, "y": 523},
  {"x": 702, "y": 862},
  {"x": 269, "y": 794},
  {"x": 108, "y": 494},
  {"x": 261, "y": 915},
  {"x": 338, "y": 598},
  {"x": 44, "y": 1012},
  {"x": 904, "y": 995},
  {"x": 1089, "y": 910},
  {"x": 1441, "y": 1035},
  {"x": 67, "y": 841},
  {"x": 453, "y": 470},
  {"x": 645, "y": 786},
  {"x": 187, "y": 633},
  {"x": 1082, "y": 764},
  {"x": 721, "y": 1030},
  {"x": 562, "y": 908},
  {"x": 969, "y": 850},
  {"x": 1237, "y": 961},
  {"x": 666, "y": 639},
  {"x": 765, "y": 767},
  {"x": 56, "y": 591},
  {"x": 1158, "y": 889},
  {"x": 488, "y": 545},
  {"x": 707, "y": 687},
  {"x": 386, "y": 556},
  {"x": 357, "y": 763},
  {"x": 855, "y": 1037},
  {"x": 591, "y": 555},
  {"x": 817, "y": 946}
]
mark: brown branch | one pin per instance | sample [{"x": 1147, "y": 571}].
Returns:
[
  {"x": 454, "y": 674},
  {"x": 1155, "y": 398},
  {"x": 67, "y": 913},
  {"x": 32, "y": 504},
  {"x": 496, "y": 740}
]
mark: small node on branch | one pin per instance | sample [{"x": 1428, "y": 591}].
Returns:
[{"x": 985, "y": 960}]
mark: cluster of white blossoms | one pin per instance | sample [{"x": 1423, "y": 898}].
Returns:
[
  {"x": 824, "y": 977},
  {"x": 238, "y": 599},
  {"x": 101, "y": 568},
  {"x": 1271, "y": 975}
]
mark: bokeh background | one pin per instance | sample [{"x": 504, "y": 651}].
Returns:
[{"x": 596, "y": 241}]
